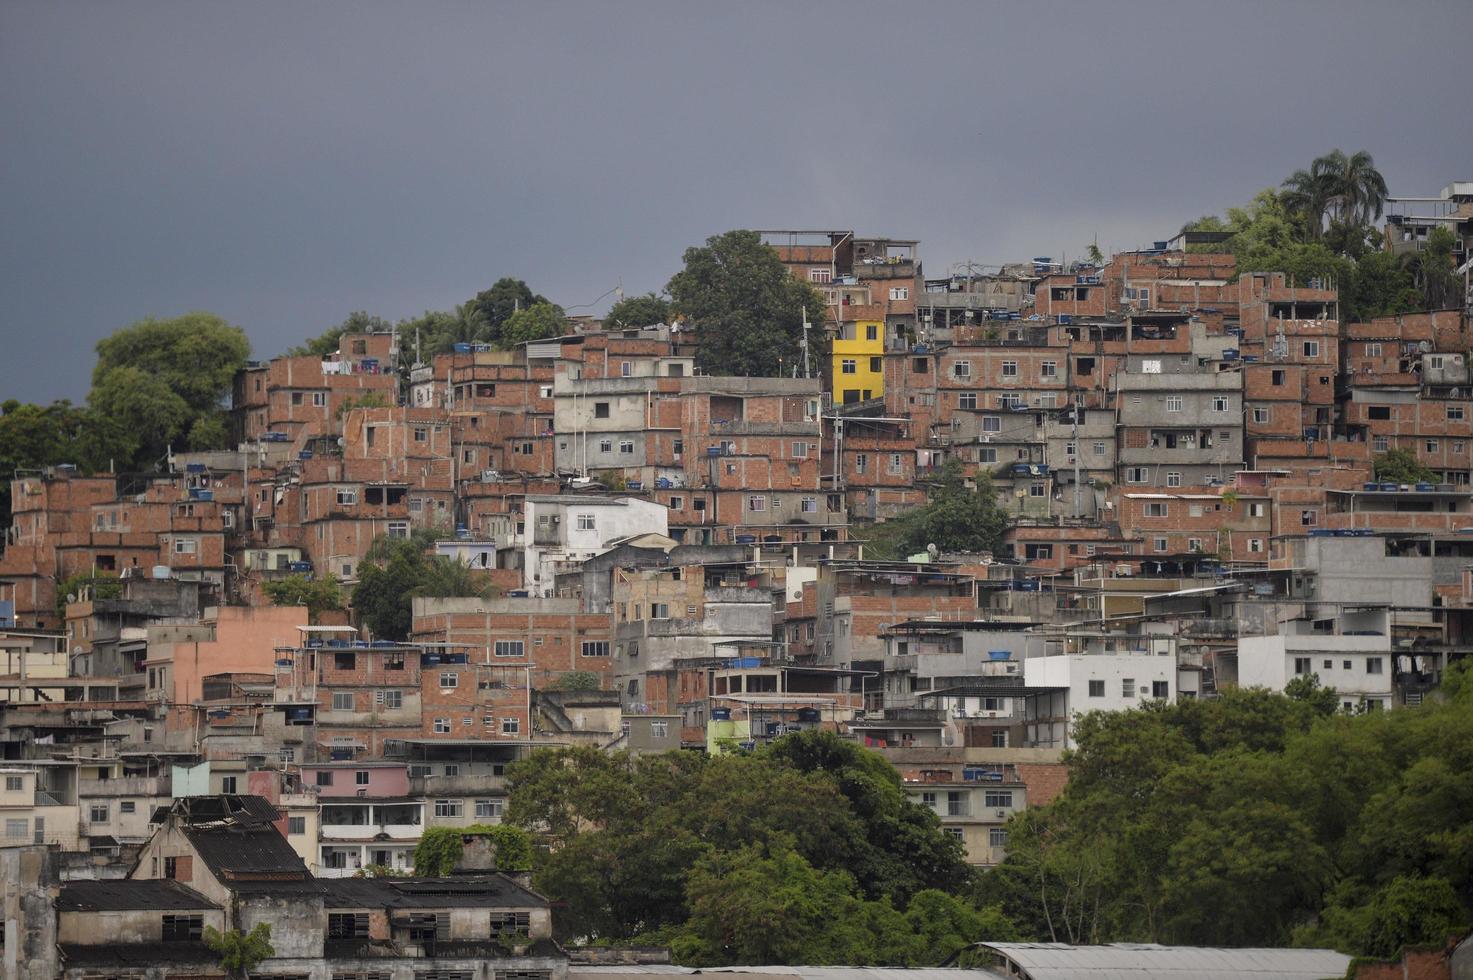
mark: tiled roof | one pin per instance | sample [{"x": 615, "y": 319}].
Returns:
[{"x": 128, "y": 894}]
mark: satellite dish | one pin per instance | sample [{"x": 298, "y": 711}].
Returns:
[{"x": 71, "y": 597}]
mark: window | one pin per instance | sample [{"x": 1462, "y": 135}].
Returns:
[
  {"x": 861, "y": 460},
  {"x": 1219, "y": 403},
  {"x": 1378, "y": 413},
  {"x": 227, "y": 784},
  {"x": 1173, "y": 479},
  {"x": 995, "y": 798},
  {"x": 185, "y": 546},
  {"x": 1173, "y": 403},
  {"x": 1373, "y": 665},
  {"x": 659, "y": 729},
  {"x": 595, "y": 648},
  {"x": 509, "y": 922},
  {"x": 820, "y": 275},
  {"x": 1309, "y": 518},
  {"x": 899, "y": 292},
  {"x": 14, "y": 784},
  {"x": 897, "y": 463},
  {"x": 1311, "y": 348},
  {"x": 800, "y": 450},
  {"x": 442, "y": 726},
  {"x": 393, "y": 699},
  {"x": 1127, "y": 687},
  {"x": 1432, "y": 445},
  {"x": 511, "y": 726},
  {"x": 98, "y": 813},
  {"x": 448, "y": 808},
  {"x": 398, "y": 529},
  {"x": 626, "y": 369},
  {"x": 1157, "y": 509},
  {"x": 449, "y": 678},
  {"x": 127, "y": 806},
  {"x": 600, "y": 410},
  {"x": 489, "y": 808},
  {"x": 756, "y": 503},
  {"x": 1160, "y": 689},
  {"x": 421, "y": 433},
  {"x": 849, "y": 366},
  {"x": 1096, "y": 689},
  {"x": 342, "y": 700},
  {"x": 296, "y": 825},
  {"x": 1137, "y": 474},
  {"x": 1255, "y": 545},
  {"x": 1302, "y": 666},
  {"x": 1373, "y": 350},
  {"x": 997, "y": 837},
  {"x": 606, "y": 445},
  {"x": 1455, "y": 413},
  {"x": 1457, "y": 447},
  {"x": 347, "y": 925},
  {"x": 324, "y": 777},
  {"x": 1009, "y": 369},
  {"x": 875, "y": 365},
  {"x": 626, "y": 446},
  {"x": 961, "y": 369},
  {"x": 1049, "y": 369},
  {"x": 1380, "y": 444},
  {"x": 183, "y": 928},
  {"x": 509, "y": 648}
]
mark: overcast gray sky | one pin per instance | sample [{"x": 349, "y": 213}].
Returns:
[{"x": 282, "y": 164}]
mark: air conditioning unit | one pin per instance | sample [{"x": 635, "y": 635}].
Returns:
[{"x": 1003, "y": 814}]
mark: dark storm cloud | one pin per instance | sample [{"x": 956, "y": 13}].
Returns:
[{"x": 283, "y": 164}]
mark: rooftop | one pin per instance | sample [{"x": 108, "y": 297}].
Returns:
[{"x": 129, "y": 894}]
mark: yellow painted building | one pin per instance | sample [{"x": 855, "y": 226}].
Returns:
[{"x": 859, "y": 361}]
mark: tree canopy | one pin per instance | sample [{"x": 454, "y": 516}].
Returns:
[
  {"x": 638, "y": 311},
  {"x": 955, "y": 518},
  {"x": 535, "y": 322},
  {"x": 397, "y": 570},
  {"x": 746, "y": 308},
  {"x": 812, "y": 837},
  {"x": 36, "y": 436},
  {"x": 1402, "y": 466},
  {"x": 166, "y": 382},
  {"x": 1255, "y": 819},
  {"x": 317, "y": 594}
]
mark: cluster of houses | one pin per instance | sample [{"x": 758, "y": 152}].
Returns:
[{"x": 675, "y": 560}]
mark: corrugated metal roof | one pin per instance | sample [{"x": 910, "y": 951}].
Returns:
[
  {"x": 127, "y": 894},
  {"x": 1122, "y": 961}
]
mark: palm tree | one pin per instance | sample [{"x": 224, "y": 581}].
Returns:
[
  {"x": 1356, "y": 190},
  {"x": 446, "y": 577},
  {"x": 468, "y": 324},
  {"x": 1305, "y": 197}
]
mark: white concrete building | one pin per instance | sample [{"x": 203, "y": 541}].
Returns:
[
  {"x": 567, "y": 529},
  {"x": 1358, "y": 667},
  {"x": 1096, "y": 682}
]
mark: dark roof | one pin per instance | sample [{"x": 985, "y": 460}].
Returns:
[
  {"x": 113, "y": 955},
  {"x": 197, "y": 810},
  {"x": 457, "y": 891},
  {"x": 232, "y": 852},
  {"x": 127, "y": 894}
]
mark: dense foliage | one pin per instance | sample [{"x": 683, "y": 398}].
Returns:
[
  {"x": 1255, "y": 820},
  {"x": 396, "y": 570},
  {"x": 1402, "y": 466},
  {"x": 317, "y": 594},
  {"x": 638, "y": 311},
  {"x": 807, "y": 851},
  {"x": 440, "y": 848},
  {"x": 1320, "y": 225},
  {"x": 956, "y": 518},
  {"x": 746, "y": 307},
  {"x": 240, "y": 952},
  {"x": 168, "y": 382}
]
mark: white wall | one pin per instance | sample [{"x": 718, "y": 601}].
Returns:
[{"x": 1268, "y": 661}]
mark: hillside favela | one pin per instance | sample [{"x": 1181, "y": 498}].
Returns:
[{"x": 830, "y": 491}]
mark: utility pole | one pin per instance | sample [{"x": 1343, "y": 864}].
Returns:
[{"x": 807, "y": 371}]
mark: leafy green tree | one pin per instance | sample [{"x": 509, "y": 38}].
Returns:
[
  {"x": 1432, "y": 270},
  {"x": 167, "y": 381},
  {"x": 297, "y": 589},
  {"x": 1408, "y": 911},
  {"x": 1306, "y": 687},
  {"x": 1382, "y": 285},
  {"x": 382, "y": 599},
  {"x": 502, "y": 301},
  {"x": 576, "y": 680},
  {"x": 536, "y": 322},
  {"x": 101, "y": 587},
  {"x": 746, "y": 309},
  {"x": 955, "y": 518},
  {"x": 240, "y": 953},
  {"x": 638, "y": 311},
  {"x": 1402, "y": 466},
  {"x": 36, "y": 436}
]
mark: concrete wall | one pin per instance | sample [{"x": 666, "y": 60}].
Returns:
[{"x": 28, "y": 887}]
